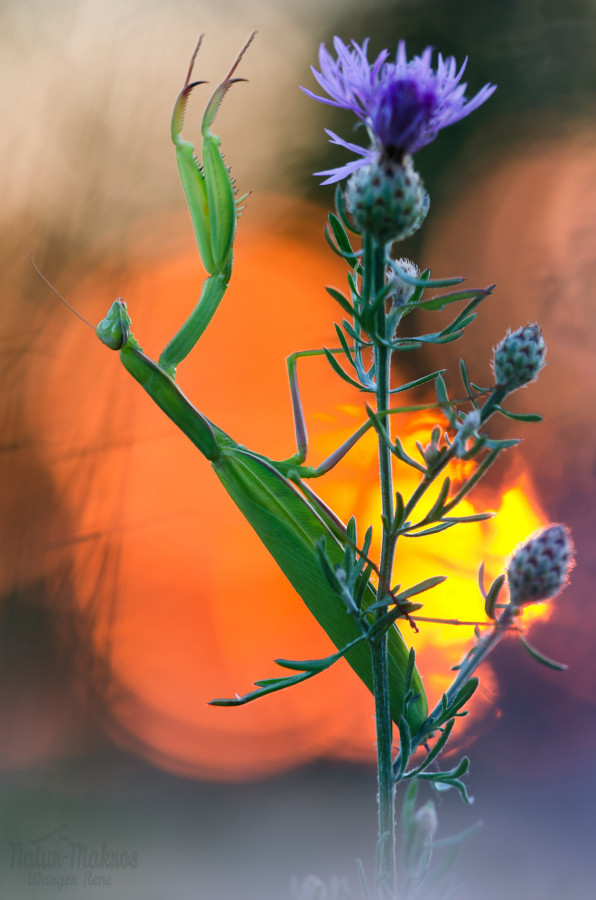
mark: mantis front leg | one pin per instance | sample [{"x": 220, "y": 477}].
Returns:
[{"x": 214, "y": 209}]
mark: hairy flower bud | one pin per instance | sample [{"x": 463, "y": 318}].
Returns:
[
  {"x": 399, "y": 289},
  {"x": 387, "y": 199},
  {"x": 519, "y": 357},
  {"x": 467, "y": 430},
  {"x": 539, "y": 568}
]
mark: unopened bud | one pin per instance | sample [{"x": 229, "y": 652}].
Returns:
[
  {"x": 399, "y": 289},
  {"x": 519, "y": 357},
  {"x": 432, "y": 452},
  {"x": 539, "y": 568},
  {"x": 467, "y": 429},
  {"x": 427, "y": 821},
  {"x": 387, "y": 199}
]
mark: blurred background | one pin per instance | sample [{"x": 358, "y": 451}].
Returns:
[{"x": 132, "y": 592}]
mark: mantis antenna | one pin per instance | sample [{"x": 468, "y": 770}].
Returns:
[{"x": 58, "y": 294}]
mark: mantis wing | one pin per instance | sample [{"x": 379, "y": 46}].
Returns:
[{"x": 290, "y": 527}]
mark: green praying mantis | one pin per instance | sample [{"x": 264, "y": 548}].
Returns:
[{"x": 308, "y": 542}]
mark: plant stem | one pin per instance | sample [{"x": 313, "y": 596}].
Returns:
[{"x": 374, "y": 271}]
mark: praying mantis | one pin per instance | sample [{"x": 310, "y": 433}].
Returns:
[{"x": 316, "y": 552}]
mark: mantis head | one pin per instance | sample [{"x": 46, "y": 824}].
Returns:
[{"x": 114, "y": 330}]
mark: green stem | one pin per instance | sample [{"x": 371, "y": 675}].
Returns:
[
  {"x": 373, "y": 279},
  {"x": 467, "y": 668}
]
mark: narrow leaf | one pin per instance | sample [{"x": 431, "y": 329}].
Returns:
[
  {"x": 476, "y": 517},
  {"x": 339, "y": 298},
  {"x": 417, "y": 382},
  {"x": 436, "y": 749},
  {"x": 342, "y": 374},
  {"x": 405, "y": 747},
  {"x": 437, "y": 508},
  {"x": 427, "y": 282},
  {"x": 474, "y": 479},
  {"x": 461, "y": 698},
  {"x": 318, "y": 665},
  {"x": 341, "y": 211},
  {"x": 446, "y": 299},
  {"x": 492, "y": 596},
  {"x": 344, "y": 344},
  {"x": 419, "y": 588},
  {"x": 519, "y": 417},
  {"x": 464, "y": 377},
  {"x": 541, "y": 658},
  {"x": 268, "y": 686},
  {"x": 343, "y": 241}
]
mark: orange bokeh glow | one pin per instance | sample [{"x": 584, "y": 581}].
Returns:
[{"x": 189, "y": 606}]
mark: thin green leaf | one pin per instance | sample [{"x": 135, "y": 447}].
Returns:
[
  {"x": 350, "y": 257},
  {"x": 343, "y": 241},
  {"x": 344, "y": 344},
  {"x": 339, "y": 298},
  {"x": 441, "y": 302},
  {"x": 426, "y": 282},
  {"x": 361, "y": 586},
  {"x": 267, "y": 686},
  {"x": 356, "y": 336},
  {"x": 342, "y": 374},
  {"x": 541, "y": 658},
  {"x": 436, "y": 749},
  {"x": 437, "y": 508},
  {"x": 519, "y": 417},
  {"x": 461, "y": 698},
  {"x": 412, "y": 384},
  {"x": 399, "y": 451},
  {"x": 464, "y": 377},
  {"x": 341, "y": 211},
  {"x": 405, "y": 747},
  {"x": 434, "y": 529},
  {"x": 492, "y": 596},
  {"x": 436, "y": 337},
  {"x": 476, "y": 517},
  {"x": 317, "y": 665},
  {"x": 398, "y": 518},
  {"x": 502, "y": 445},
  {"x": 448, "y": 783},
  {"x": 457, "y": 323},
  {"x": 474, "y": 479},
  {"x": 419, "y": 588},
  {"x": 381, "y": 626}
]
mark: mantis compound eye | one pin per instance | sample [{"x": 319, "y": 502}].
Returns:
[{"x": 114, "y": 330}]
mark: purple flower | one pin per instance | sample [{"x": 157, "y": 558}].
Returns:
[{"x": 403, "y": 104}]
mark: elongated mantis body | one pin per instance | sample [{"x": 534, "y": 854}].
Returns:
[{"x": 291, "y": 524}]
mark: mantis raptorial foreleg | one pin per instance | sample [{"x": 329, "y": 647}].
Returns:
[{"x": 213, "y": 207}]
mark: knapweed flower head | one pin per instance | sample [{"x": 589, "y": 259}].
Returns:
[
  {"x": 387, "y": 199},
  {"x": 539, "y": 568},
  {"x": 519, "y": 357},
  {"x": 403, "y": 104}
]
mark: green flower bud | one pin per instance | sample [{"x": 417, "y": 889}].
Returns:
[
  {"x": 519, "y": 357},
  {"x": 426, "y": 822},
  {"x": 466, "y": 430},
  {"x": 539, "y": 568},
  {"x": 387, "y": 199}
]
